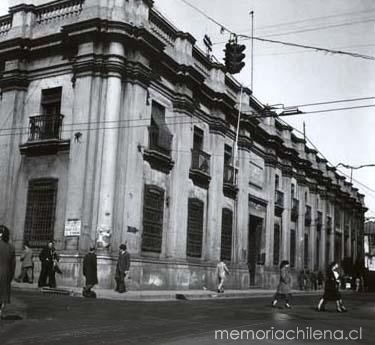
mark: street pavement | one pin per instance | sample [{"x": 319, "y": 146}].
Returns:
[{"x": 34, "y": 318}]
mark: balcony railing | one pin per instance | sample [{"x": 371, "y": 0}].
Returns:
[
  {"x": 200, "y": 168},
  {"x": 294, "y": 213},
  {"x": 156, "y": 143},
  {"x": 45, "y": 127},
  {"x": 200, "y": 161},
  {"x": 279, "y": 199},
  {"x": 230, "y": 174},
  {"x": 308, "y": 215}
]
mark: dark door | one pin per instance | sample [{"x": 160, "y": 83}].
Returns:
[{"x": 254, "y": 246}]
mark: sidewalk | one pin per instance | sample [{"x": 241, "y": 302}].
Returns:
[{"x": 162, "y": 295}]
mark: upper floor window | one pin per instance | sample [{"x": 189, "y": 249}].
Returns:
[
  {"x": 51, "y": 101},
  {"x": 293, "y": 190},
  {"x": 228, "y": 155},
  {"x": 277, "y": 182},
  {"x": 198, "y": 139},
  {"x": 160, "y": 135}
]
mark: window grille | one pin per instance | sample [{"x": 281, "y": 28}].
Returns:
[
  {"x": 226, "y": 234},
  {"x": 153, "y": 211},
  {"x": 276, "y": 244},
  {"x": 292, "y": 248},
  {"x": 306, "y": 251},
  {"x": 40, "y": 212},
  {"x": 195, "y": 228}
]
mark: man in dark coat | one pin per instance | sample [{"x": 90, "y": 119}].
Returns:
[
  {"x": 48, "y": 258},
  {"x": 90, "y": 272},
  {"x": 122, "y": 269},
  {"x": 283, "y": 289},
  {"x": 7, "y": 267}
]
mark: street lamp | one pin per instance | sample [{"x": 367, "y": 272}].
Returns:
[{"x": 353, "y": 168}]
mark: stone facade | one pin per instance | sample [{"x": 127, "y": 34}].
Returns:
[{"x": 142, "y": 150}]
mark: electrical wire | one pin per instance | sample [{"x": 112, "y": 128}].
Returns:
[{"x": 330, "y": 102}]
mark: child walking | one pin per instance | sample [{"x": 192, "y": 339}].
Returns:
[{"x": 221, "y": 272}]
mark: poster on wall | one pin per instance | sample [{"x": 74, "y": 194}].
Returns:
[{"x": 72, "y": 227}]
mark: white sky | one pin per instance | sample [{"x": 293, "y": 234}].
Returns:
[{"x": 295, "y": 76}]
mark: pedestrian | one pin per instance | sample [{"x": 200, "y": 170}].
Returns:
[
  {"x": 122, "y": 269},
  {"x": 221, "y": 273},
  {"x": 357, "y": 284},
  {"x": 7, "y": 267},
  {"x": 90, "y": 272},
  {"x": 331, "y": 289},
  {"x": 26, "y": 265},
  {"x": 49, "y": 259},
  {"x": 283, "y": 289}
]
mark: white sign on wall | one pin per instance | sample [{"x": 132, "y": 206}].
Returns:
[{"x": 72, "y": 227}]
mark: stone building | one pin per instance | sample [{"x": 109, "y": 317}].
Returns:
[{"x": 116, "y": 128}]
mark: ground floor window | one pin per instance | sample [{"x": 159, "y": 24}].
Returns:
[
  {"x": 306, "y": 251},
  {"x": 276, "y": 244},
  {"x": 226, "y": 234},
  {"x": 292, "y": 248},
  {"x": 40, "y": 211},
  {"x": 153, "y": 211},
  {"x": 194, "y": 228}
]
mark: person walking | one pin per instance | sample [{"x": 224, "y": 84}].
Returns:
[
  {"x": 49, "y": 259},
  {"x": 122, "y": 269},
  {"x": 221, "y": 273},
  {"x": 90, "y": 272},
  {"x": 331, "y": 290},
  {"x": 26, "y": 265},
  {"x": 283, "y": 289},
  {"x": 7, "y": 268}
]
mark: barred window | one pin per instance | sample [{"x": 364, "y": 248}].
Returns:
[
  {"x": 306, "y": 251},
  {"x": 226, "y": 234},
  {"x": 292, "y": 248},
  {"x": 194, "y": 228},
  {"x": 40, "y": 212},
  {"x": 153, "y": 211},
  {"x": 276, "y": 244}
]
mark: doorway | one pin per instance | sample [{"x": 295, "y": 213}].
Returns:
[{"x": 254, "y": 245}]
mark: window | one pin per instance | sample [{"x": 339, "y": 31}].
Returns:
[
  {"x": 317, "y": 252},
  {"x": 292, "y": 190},
  {"x": 40, "y": 212},
  {"x": 160, "y": 138},
  {"x": 306, "y": 251},
  {"x": 195, "y": 228},
  {"x": 226, "y": 234},
  {"x": 277, "y": 182},
  {"x": 153, "y": 210},
  {"x": 276, "y": 244},
  {"x": 51, "y": 101},
  {"x": 227, "y": 155},
  {"x": 306, "y": 198},
  {"x": 198, "y": 139},
  {"x": 292, "y": 248}
]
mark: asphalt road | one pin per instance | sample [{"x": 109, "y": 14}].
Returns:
[{"x": 44, "y": 319}]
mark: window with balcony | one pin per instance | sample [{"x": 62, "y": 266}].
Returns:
[
  {"x": 200, "y": 161},
  {"x": 308, "y": 215},
  {"x": 294, "y": 212},
  {"x": 160, "y": 141},
  {"x": 44, "y": 135},
  {"x": 276, "y": 244},
  {"x": 226, "y": 234},
  {"x": 40, "y": 211},
  {"x": 292, "y": 248},
  {"x": 195, "y": 228},
  {"x": 230, "y": 173},
  {"x": 153, "y": 211}
]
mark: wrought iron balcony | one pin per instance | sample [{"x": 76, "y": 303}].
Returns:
[
  {"x": 200, "y": 168},
  {"x": 159, "y": 149},
  {"x": 294, "y": 213},
  {"x": 229, "y": 181},
  {"x": 44, "y": 135},
  {"x": 308, "y": 215},
  {"x": 279, "y": 203}
]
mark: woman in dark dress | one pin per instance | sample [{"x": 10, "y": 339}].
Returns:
[
  {"x": 90, "y": 272},
  {"x": 7, "y": 267},
  {"x": 331, "y": 289}
]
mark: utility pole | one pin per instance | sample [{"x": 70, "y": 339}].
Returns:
[{"x": 252, "y": 50}]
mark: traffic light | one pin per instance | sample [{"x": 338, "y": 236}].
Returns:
[{"x": 234, "y": 56}]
